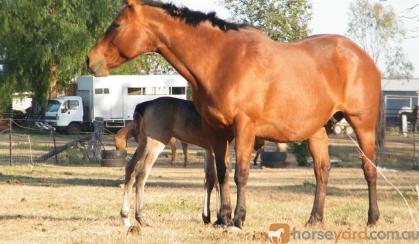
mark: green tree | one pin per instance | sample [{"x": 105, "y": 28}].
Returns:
[
  {"x": 43, "y": 44},
  {"x": 283, "y": 20},
  {"x": 380, "y": 32}
]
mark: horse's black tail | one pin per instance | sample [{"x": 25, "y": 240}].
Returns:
[{"x": 380, "y": 127}]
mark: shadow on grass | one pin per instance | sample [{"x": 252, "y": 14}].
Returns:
[
  {"x": 37, "y": 181},
  {"x": 304, "y": 187},
  {"x": 51, "y": 218}
]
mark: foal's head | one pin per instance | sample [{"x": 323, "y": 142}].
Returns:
[{"x": 126, "y": 38}]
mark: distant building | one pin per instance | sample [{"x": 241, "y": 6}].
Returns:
[{"x": 399, "y": 96}]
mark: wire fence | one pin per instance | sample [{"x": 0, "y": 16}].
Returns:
[{"x": 30, "y": 141}]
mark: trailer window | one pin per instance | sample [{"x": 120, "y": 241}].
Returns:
[
  {"x": 99, "y": 91},
  {"x": 162, "y": 91},
  {"x": 136, "y": 91},
  {"x": 178, "y": 90}
]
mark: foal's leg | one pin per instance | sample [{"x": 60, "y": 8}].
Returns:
[
  {"x": 245, "y": 137},
  {"x": 221, "y": 151},
  {"x": 258, "y": 147},
  {"x": 173, "y": 147},
  {"x": 318, "y": 145},
  {"x": 130, "y": 172},
  {"x": 153, "y": 149},
  {"x": 185, "y": 153},
  {"x": 255, "y": 160},
  {"x": 210, "y": 181}
]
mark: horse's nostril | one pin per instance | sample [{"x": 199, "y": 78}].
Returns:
[{"x": 87, "y": 61}]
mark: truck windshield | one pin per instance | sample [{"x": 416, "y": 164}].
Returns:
[{"x": 53, "y": 106}]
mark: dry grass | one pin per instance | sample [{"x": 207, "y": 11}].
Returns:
[{"x": 51, "y": 204}]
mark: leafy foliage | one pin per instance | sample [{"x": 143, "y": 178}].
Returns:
[
  {"x": 44, "y": 44},
  {"x": 283, "y": 20}
]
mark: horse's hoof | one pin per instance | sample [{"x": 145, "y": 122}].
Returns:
[
  {"x": 219, "y": 224},
  {"x": 206, "y": 219},
  {"x": 134, "y": 230},
  {"x": 373, "y": 218},
  {"x": 312, "y": 221},
  {"x": 238, "y": 223}
]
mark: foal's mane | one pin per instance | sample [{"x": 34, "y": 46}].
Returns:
[{"x": 192, "y": 17}]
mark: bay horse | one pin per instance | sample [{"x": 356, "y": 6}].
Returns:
[
  {"x": 156, "y": 123},
  {"x": 246, "y": 85},
  {"x": 121, "y": 140}
]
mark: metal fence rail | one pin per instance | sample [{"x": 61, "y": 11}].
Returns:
[
  {"x": 22, "y": 142},
  {"x": 28, "y": 142}
]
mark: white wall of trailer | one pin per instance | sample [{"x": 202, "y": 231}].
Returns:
[{"x": 115, "y": 97}]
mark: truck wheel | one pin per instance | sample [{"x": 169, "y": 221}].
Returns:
[
  {"x": 337, "y": 129},
  {"x": 74, "y": 129},
  {"x": 349, "y": 130}
]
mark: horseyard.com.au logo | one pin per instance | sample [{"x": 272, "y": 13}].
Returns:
[{"x": 279, "y": 233}]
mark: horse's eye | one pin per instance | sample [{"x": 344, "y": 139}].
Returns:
[{"x": 115, "y": 25}]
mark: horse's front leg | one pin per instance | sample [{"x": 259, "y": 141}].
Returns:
[
  {"x": 152, "y": 151},
  {"x": 245, "y": 137}
]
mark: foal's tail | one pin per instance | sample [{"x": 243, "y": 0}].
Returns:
[
  {"x": 138, "y": 117},
  {"x": 380, "y": 127}
]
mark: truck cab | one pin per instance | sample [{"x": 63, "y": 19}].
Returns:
[{"x": 65, "y": 114}]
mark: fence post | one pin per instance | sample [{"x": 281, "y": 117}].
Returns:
[
  {"x": 98, "y": 125},
  {"x": 55, "y": 144},
  {"x": 10, "y": 141}
]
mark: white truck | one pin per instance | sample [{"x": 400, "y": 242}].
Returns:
[{"x": 112, "y": 98}]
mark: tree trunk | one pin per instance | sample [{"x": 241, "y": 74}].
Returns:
[{"x": 53, "y": 87}]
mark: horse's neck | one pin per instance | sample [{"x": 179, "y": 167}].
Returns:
[{"x": 188, "y": 49}]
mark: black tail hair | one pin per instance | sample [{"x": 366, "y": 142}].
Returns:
[
  {"x": 138, "y": 114},
  {"x": 380, "y": 127},
  {"x": 140, "y": 110}
]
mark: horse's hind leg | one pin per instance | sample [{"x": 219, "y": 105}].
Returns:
[
  {"x": 318, "y": 145},
  {"x": 152, "y": 151},
  {"x": 185, "y": 154},
  {"x": 210, "y": 181},
  {"x": 365, "y": 131},
  {"x": 173, "y": 147}
]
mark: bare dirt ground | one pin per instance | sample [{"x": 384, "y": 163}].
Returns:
[{"x": 66, "y": 204}]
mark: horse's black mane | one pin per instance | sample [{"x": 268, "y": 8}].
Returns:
[{"x": 192, "y": 17}]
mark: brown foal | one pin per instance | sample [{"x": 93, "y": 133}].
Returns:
[
  {"x": 155, "y": 124},
  {"x": 245, "y": 85}
]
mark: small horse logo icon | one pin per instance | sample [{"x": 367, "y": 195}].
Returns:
[{"x": 279, "y": 233}]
